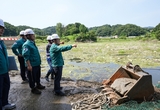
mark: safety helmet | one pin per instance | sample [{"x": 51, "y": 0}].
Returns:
[
  {"x": 2, "y": 23},
  {"x": 55, "y": 36},
  {"x": 21, "y": 33},
  {"x": 28, "y": 31},
  {"x": 49, "y": 37}
]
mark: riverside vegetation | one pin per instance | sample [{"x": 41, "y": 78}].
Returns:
[{"x": 119, "y": 51}]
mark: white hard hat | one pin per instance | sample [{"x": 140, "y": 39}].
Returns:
[
  {"x": 28, "y": 31},
  {"x": 21, "y": 33},
  {"x": 55, "y": 36},
  {"x": 49, "y": 37},
  {"x": 2, "y": 23}
]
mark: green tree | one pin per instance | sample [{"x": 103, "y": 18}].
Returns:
[
  {"x": 59, "y": 29},
  {"x": 83, "y": 28},
  {"x": 121, "y": 30},
  {"x": 67, "y": 30},
  {"x": 131, "y": 30},
  {"x": 157, "y": 28},
  {"x": 104, "y": 30},
  {"x": 157, "y": 34},
  {"x": 77, "y": 25},
  {"x": 49, "y": 30},
  {"x": 39, "y": 31},
  {"x": 91, "y": 36},
  {"x": 156, "y": 31},
  {"x": 71, "y": 29},
  {"x": 10, "y": 30},
  {"x": 115, "y": 29},
  {"x": 85, "y": 37},
  {"x": 74, "y": 30}
]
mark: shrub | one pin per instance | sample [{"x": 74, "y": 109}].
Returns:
[
  {"x": 82, "y": 37},
  {"x": 157, "y": 34},
  {"x": 122, "y": 37},
  {"x": 65, "y": 39}
]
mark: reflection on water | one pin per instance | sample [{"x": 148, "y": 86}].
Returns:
[
  {"x": 100, "y": 71},
  {"x": 155, "y": 72}
]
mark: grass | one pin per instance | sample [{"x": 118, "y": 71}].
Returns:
[
  {"x": 119, "y": 51},
  {"x": 146, "y": 54}
]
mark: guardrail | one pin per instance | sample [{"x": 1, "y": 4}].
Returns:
[
  {"x": 9, "y": 41},
  {"x": 8, "y": 38}
]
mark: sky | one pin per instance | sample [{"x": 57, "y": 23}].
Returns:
[{"x": 91, "y": 13}]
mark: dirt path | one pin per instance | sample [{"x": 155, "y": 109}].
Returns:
[{"x": 25, "y": 100}]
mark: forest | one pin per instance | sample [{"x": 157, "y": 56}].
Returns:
[{"x": 82, "y": 33}]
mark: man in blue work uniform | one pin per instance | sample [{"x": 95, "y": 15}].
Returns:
[
  {"x": 33, "y": 61},
  {"x": 17, "y": 50},
  {"x": 4, "y": 76},
  {"x": 50, "y": 71},
  {"x": 58, "y": 62}
]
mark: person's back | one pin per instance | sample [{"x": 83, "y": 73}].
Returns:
[
  {"x": 17, "y": 50},
  {"x": 18, "y": 46}
]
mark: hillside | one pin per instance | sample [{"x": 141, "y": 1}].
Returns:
[{"x": 71, "y": 29}]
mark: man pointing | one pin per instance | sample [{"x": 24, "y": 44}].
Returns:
[{"x": 58, "y": 62}]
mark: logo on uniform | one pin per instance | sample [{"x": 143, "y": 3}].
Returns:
[
  {"x": 15, "y": 43},
  {"x": 25, "y": 49}
]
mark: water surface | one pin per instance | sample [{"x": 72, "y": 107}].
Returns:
[{"x": 100, "y": 71}]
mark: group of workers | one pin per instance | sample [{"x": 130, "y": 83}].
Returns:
[{"x": 30, "y": 60}]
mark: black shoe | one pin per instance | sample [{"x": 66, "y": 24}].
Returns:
[
  {"x": 40, "y": 87},
  {"x": 35, "y": 91},
  {"x": 61, "y": 88},
  {"x": 60, "y": 93},
  {"x": 9, "y": 107},
  {"x": 47, "y": 78}
]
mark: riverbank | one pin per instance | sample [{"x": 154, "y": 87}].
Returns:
[
  {"x": 74, "y": 90},
  {"x": 98, "y": 61}
]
